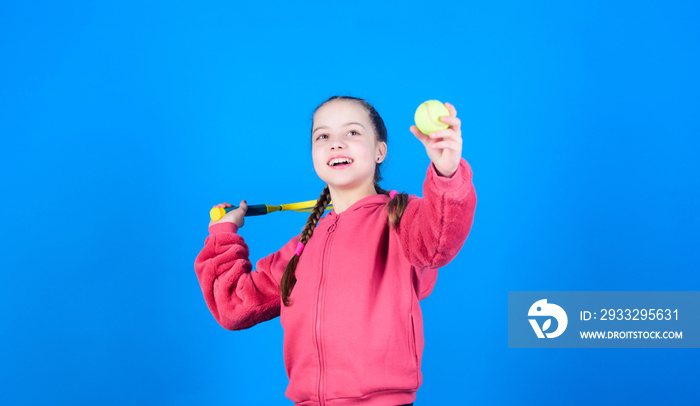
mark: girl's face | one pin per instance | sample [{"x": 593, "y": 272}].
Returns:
[{"x": 344, "y": 145}]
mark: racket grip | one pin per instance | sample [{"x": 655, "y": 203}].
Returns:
[{"x": 254, "y": 210}]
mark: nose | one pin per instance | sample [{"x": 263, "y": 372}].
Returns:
[{"x": 338, "y": 143}]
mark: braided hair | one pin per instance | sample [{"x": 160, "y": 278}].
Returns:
[{"x": 396, "y": 206}]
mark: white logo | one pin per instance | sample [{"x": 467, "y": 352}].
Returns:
[{"x": 542, "y": 308}]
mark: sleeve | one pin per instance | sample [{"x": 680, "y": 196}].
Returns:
[
  {"x": 433, "y": 229},
  {"x": 237, "y": 297}
]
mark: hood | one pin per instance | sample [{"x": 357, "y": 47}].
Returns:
[{"x": 366, "y": 202}]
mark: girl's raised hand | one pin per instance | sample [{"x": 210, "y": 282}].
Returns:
[
  {"x": 234, "y": 216},
  {"x": 444, "y": 147}
]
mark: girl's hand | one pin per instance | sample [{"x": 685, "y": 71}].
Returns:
[
  {"x": 234, "y": 216},
  {"x": 444, "y": 147}
]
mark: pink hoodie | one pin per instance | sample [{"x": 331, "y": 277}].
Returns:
[{"x": 353, "y": 334}]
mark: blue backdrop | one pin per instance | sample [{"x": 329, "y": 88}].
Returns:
[{"x": 122, "y": 123}]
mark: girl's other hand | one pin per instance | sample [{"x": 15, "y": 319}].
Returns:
[
  {"x": 444, "y": 147},
  {"x": 234, "y": 216}
]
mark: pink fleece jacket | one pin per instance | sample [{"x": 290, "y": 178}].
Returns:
[{"x": 353, "y": 334}]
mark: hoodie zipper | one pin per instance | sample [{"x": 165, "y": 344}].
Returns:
[{"x": 319, "y": 308}]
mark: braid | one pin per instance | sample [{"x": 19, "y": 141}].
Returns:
[
  {"x": 288, "y": 278},
  {"x": 396, "y": 206}
]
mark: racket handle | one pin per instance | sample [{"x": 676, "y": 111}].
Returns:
[{"x": 254, "y": 210}]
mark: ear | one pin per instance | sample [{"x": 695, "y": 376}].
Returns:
[{"x": 381, "y": 152}]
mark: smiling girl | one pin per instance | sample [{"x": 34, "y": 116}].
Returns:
[{"x": 347, "y": 289}]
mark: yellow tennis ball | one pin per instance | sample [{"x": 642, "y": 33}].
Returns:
[{"x": 428, "y": 116}]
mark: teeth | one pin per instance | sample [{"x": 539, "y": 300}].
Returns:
[{"x": 337, "y": 161}]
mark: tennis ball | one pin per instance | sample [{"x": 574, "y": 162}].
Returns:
[{"x": 428, "y": 116}]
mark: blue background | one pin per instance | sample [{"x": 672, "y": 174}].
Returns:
[{"x": 122, "y": 123}]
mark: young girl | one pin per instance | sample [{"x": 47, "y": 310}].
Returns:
[{"x": 348, "y": 287}]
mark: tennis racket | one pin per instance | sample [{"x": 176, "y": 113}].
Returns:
[{"x": 259, "y": 209}]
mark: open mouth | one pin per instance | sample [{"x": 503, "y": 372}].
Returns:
[{"x": 339, "y": 162}]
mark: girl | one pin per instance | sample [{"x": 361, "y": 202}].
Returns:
[{"x": 348, "y": 287}]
